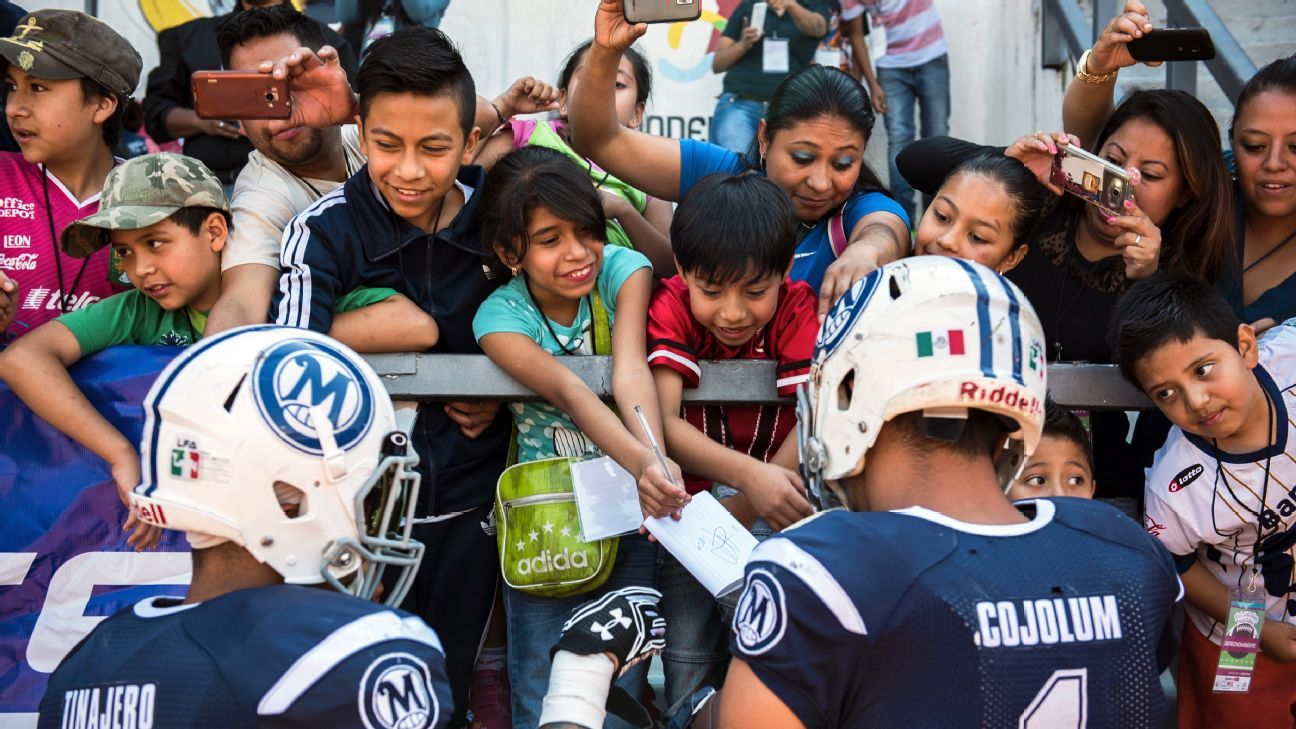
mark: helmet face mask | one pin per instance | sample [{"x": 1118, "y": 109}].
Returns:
[
  {"x": 924, "y": 334},
  {"x": 284, "y": 442}
]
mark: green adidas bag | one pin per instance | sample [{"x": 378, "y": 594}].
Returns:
[{"x": 537, "y": 526}]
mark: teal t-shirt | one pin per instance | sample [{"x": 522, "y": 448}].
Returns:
[
  {"x": 131, "y": 317},
  {"x": 544, "y": 431}
]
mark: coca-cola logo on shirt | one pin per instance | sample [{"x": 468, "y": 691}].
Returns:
[
  {"x": 16, "y": 207},
  {"x": 19, "y": 262}
]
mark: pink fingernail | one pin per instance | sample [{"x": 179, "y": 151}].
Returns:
[
  {"x": 1129, "y": 203},
  {"x": 1111, "y": 218}
]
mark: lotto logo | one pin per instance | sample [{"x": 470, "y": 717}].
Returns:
[{"x": 1185, "y": 477}]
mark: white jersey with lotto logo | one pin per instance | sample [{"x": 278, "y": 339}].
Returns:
[{"x": 1205, "y": 505}]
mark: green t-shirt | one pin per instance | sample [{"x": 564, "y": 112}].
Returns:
[
  {"x": 131, "y": 317},
  {"x": 747, "y": 77}
]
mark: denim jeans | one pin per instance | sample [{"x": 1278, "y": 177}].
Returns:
[
  {"x": 697, "y": 642},
  {"x": 928, "y": 86},
  {"x": 733, "y": 126},
  {"x": 534, "y": 624}
]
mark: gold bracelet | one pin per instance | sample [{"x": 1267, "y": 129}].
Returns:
[{"x": 1082, "y": 71}]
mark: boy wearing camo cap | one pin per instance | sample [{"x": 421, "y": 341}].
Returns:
[{"x": 167, "y": 219}]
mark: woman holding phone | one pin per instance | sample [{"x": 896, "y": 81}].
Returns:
[
  {"x": 811, "y": 143},
  {"x": 1261, "y": 280}
]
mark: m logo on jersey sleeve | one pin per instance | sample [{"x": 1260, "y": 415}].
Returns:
[
  {"x": 396, "y": 693},
  {"x": 761, "y": 617},
  {"x": 298, "y": 376}
]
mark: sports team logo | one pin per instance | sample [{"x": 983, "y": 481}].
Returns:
[
  {"x": 843, "y": 314},
  {"x": 396, "y": 693},
  {"x": 761, "y": 617},
  {"x": 298, "y": 376}
]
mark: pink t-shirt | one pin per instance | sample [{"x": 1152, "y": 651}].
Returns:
[{"x": 27, "y": 253}]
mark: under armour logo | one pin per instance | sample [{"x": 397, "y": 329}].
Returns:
[{"x": 617, "y": 619}]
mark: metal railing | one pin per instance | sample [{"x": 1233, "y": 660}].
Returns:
[
  {"x": 1065, "y": 36},
  {"x": 742, "y": 382}
]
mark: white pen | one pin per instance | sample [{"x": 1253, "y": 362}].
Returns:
[{"x": 652, "y": 443}]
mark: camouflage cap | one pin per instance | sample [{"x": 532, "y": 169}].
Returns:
[
  {"x": 141, "y": 192},
  {"x": 65, "y": 44}
]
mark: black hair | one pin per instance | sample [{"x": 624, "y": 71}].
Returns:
[
  {"x": 1062, "y": 423},
  {"x": 1024, "y": 191},
  {"x": 193, "y": 217},
  {"x": 1197, "y": 236},
  {"x": 642, "y": 70},
  {"x": 817, "y": 91},
  {"x": 133, "y": 115},
  {"x": 112, "y": 127},
  {"x": 250, "y": 25},
  {"x": 732, "y": 228},
  {"x": 417, "y": 60},
  {"x": 531, "y": 178},
  {"x": 1166, "y": 307},
  {"x": 980, "y": 436},
  {"x": 1277, "y": 76}
]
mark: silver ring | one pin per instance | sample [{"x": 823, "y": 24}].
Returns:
[
  {"x": 1137, "y": 238},
  {"x": 220, "y": 125}
]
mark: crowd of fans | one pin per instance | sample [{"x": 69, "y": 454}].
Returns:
[{"x": 399, "y": 210}]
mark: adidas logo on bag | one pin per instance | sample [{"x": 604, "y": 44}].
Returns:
[{"x": 547, "y": 561}]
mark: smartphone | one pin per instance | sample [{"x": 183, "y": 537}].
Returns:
[
  {"x": 1173, "y": 44},
  {"x": 1092, "y": 179},
  {"x": 662, "y": 11},
  {"x": 758, "y": 16},
  {"x": 240, "y": 95}
]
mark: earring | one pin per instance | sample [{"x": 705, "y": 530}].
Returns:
[
  {"x": 516, "y": 270},
  {"x": 762, "y": 161}
]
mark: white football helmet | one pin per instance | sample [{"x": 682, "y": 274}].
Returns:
[
  {"x": 928, "y": 333},
  {"x": 282, "y": 441}
]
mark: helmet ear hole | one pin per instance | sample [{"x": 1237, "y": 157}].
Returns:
[
  {"x": 292, "y": 500},
  {"x": 846, "y": 391},
  {"x": 894, "y": 286}
]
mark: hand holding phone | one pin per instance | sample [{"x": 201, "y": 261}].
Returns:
[
  {"x": 1092, "y": 179},
  {"x": 662, "y": 11},
  {"x": 758, "y": 13}
]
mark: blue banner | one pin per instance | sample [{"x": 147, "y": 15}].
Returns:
[{"x": 64, "y": 562}]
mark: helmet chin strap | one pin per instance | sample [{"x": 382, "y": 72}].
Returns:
[
  {"x": 334, "y": 457},
  {"x": 821, "y": 494}
]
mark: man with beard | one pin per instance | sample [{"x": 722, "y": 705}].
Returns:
[{"x": 168, "y": 100}]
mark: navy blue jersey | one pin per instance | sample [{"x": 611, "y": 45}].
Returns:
[
  {"x": 282, "y": 656},
  {"x": 913, "y": 619}
]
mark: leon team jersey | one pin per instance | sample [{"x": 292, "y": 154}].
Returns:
[
  {"x": 27, "y": 252},
  {"x": 1205, "y": 505},
  {"x": 913, "y": 619},
  {"x": 676, "y": 340},
  {"x": 282, "y": 656}
]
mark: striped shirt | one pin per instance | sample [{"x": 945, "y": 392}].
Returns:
[{"x": 913, "y": 32}]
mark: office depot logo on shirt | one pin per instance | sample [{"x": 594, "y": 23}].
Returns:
[{"x": 14, "y": 207}]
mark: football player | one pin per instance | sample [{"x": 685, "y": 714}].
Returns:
[
  {"x": 277, "y": 452},
  {"x": 944, "y": 604}
]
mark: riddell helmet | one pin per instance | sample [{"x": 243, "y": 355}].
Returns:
[
  {"x": 285, "y": 442},
  {"x": 929, "y": 333}
]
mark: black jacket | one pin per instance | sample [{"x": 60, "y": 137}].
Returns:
[{"x": 350, "y": 238}]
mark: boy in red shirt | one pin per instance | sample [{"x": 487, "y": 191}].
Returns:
[{"x": 733, "y": 238}]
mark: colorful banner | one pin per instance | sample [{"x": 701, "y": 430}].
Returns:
[{"x": 64, "y": 563}]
